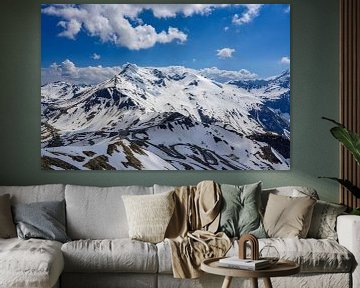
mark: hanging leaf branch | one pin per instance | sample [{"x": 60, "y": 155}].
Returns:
[{"x": 351, "y": 141}]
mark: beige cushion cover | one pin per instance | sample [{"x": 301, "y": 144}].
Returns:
[
  {"x": 149, "y": 215},
  {"x": 7, "y": 226},
  {"x": 287, "y": 217}
]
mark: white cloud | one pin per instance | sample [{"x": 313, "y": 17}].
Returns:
[
  {"x": 251, "y": 12},
  {"x": 285, "y": 60},
  {"x": 226, "y": 28},
  {"x": 222, "y": 76},
  {"x": 71, "y": 28},
  {"x": 111, "y": 22},
  {"x": 287, "y": 10},
  {"x": 95, "y": 56},
  {"x": 171, "y": 10},
  {"x": 225, "y": 53},
  {"x": 69, "y": 72}
]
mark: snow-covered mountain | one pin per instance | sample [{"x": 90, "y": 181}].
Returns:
[{"x": 170, "y": 118}]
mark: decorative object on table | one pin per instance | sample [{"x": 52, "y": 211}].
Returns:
[
  {"x": 351, "y": 142},
  {"x": 270, "y": 253},
  {"x": 241, "y": 261},
  {"x": 137, "y": 88},
  {"x": 254, "y": 246}
]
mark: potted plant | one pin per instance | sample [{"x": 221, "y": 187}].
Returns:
[{"x": 351, "y": 141}]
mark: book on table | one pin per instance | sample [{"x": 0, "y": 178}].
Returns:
[{"x": 236, "y": 262}]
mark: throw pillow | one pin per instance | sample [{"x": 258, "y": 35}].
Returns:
[
  {"x": 7, "y": 227},
  {"x": 43, "y": 220},
  {"x": 240, "y": 213},
  {"x": 149, "y": 215},
  {"x": 288, "y": 217},
  {"x": 323, "y": 222}
]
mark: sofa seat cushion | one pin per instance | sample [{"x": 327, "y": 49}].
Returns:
[
  {"x": 313, "y": 255},
  {"x": 115, "y": 255},
  {"x": 30, "y": 263}
]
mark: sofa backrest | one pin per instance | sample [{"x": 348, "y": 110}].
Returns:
[
  {"x": 98, "y": 213},
  {"x": 35, "y": 193}
]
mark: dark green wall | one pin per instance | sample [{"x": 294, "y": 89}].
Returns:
[{"x": 314, "y": 93}]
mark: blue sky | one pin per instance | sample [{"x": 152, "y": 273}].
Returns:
[{"x": 252, "y": 37}]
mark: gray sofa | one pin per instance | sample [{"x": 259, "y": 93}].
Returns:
[{"x": 101, "y": 255}]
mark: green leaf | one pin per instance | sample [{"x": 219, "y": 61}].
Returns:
[
  {"x": 355, "y": 211},
  {"x": 347, "y": 184},
  {"x": 348, "y": 138}
]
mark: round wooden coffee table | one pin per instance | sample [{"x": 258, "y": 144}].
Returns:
[{"x": 281, "y": 268}]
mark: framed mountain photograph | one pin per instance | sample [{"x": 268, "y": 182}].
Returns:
[{"x": 165, "y": 87}]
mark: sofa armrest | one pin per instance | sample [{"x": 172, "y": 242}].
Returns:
[{"x": 348, "y": 230}]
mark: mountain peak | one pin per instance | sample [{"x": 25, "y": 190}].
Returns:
[{"x": 129, "y": 67}]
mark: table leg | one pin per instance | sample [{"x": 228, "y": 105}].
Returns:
[
  {"x": 254, "y": 282},
  {"x": 227, "y": 282},
  {"x": 267, "y": 283}
]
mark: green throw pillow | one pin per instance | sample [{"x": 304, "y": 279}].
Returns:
[{"x": 240, "y": 213}]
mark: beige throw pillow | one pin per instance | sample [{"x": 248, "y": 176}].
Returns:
[
  {"x": 288, "y": 217},
  {"x": 7, "y": 226},
  {"x": 148, "y": 215}
]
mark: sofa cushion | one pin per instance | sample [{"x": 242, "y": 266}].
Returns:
[
  {"x": 98, "y": 213},
  {"x": 35, "y": 193},
  {"x": 149, "y": 215},
  {"x": 7, "y": 226},
  {"x": 287, "y": 216},
  {"x": 313, "y": 255},
  {"x": 117, "y": 255},
  {"x": 290, "y": 191},
  {"x": 240, "y": 210},
  {"x": 323, "y": 222},
  {"x": 43, "y": 220},
  {"x": 30, "y": 263}
]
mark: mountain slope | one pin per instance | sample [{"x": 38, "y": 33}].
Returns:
[{"x": 166, "y": 118}]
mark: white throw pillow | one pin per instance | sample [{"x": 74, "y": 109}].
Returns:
[{"x": 149, "y": 215}]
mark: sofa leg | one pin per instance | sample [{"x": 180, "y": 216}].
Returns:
[
  {"x": 267, "y": 282},
  {"x": 227, "y": 282},
  {"x": 254, "y": 282}
]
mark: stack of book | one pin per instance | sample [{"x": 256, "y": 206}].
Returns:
[{"x": 248, "y": 264}]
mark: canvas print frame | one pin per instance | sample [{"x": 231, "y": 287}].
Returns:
[{"x": 165, "y": 87}]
